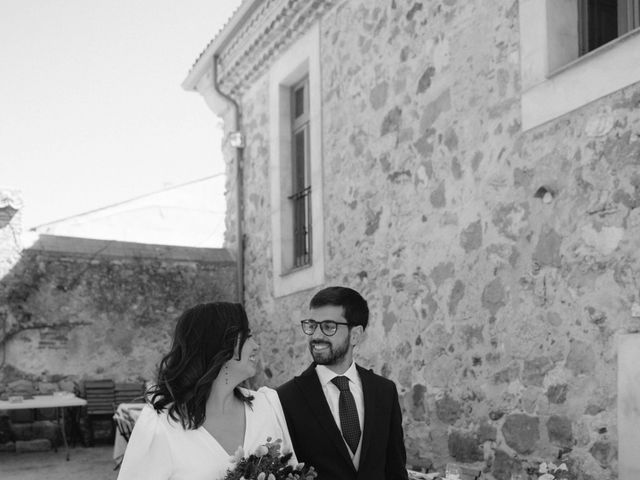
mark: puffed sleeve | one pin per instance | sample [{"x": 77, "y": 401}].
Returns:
[
  {"x": 148, "y": 456},
  {"x": 276, "y": 407}
]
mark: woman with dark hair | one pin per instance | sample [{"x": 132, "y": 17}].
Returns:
[{"x": 198, "y": 415}]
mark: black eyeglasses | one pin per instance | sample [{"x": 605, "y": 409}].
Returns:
[{"x": 328, "y": 327}]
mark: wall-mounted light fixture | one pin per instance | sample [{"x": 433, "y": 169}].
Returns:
[{"x": 236, "y": 140}]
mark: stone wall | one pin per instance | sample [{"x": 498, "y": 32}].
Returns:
[
  {"x": 74, "y": 309},
  {"x": 500, "y": 265}
]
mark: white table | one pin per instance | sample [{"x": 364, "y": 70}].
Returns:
[{"x": 48, "y": 401}]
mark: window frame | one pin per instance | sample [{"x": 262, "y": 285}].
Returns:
[
  {"x": 555, "y": 79},
  {"x": 627, "y": 19},
  {"x": 299, "y": 61},
  {"x": 301, "y": 182}
]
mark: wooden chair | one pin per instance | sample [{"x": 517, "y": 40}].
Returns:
[
  {"x": 128, "y": 393},
  {"x": 100, "y": 396}
]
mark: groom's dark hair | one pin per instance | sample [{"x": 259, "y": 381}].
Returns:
[{"x": 355, "y": 308}]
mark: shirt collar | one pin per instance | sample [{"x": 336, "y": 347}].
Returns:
[{"x": 325, "y": 375}]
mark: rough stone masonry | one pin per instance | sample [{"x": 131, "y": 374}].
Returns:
[{"x": 494, "y": 308}]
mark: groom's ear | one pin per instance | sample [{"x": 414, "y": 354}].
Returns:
[{"x": 357, "y": 335}]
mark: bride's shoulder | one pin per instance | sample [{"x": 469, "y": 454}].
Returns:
[
  {"x": 263, "y": 396},
  {"x": 260, "y": 393}
]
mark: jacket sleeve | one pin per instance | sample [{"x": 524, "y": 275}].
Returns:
[{"x": 396, "y": 466}]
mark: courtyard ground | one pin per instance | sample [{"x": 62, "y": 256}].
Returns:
[{"x": 94, "y": 463}]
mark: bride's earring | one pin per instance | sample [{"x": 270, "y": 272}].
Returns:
[{"x": 226, "y": 375}]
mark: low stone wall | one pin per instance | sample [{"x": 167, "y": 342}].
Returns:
[{"x": 74, "y": 309}]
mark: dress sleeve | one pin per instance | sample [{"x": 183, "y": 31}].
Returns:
[
  {"x": 274, "y": 401},
  {"x": 148, "y": 455}
]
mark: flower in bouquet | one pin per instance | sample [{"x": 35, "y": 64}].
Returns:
[{"x": 268, "y": 463}]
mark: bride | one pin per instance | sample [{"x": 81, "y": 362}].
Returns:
[{"x": 198, "y": 415}]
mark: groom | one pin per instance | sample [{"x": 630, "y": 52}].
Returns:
[{"x": 344, "y": 420}]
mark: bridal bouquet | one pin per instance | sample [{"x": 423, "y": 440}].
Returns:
[{"x": 267, "y": 463}]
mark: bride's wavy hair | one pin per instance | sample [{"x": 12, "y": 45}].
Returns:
[{"x": 205, "y": 338}]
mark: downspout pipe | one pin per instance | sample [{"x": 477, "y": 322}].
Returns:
[{"x": 239, "y": 150}]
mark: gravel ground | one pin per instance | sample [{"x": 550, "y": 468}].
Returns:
[{"x": 95, "y": 463}]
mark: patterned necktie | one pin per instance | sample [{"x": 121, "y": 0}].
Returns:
[{"x": 349, "y": 422}]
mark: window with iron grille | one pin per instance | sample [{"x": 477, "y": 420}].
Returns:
[
  {"x": 601, "y": 21},
  {"x": 301, "y": 187},
  {"x": 574, "y": 52}
]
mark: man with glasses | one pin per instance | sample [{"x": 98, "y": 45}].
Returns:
[{"x": 343, "y": 419}]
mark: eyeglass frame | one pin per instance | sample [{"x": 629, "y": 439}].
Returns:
[{"x": 321, "y": 324}]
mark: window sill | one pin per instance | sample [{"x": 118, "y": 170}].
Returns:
[
  {"x": 296, "y": 280},
  {"x": 599, "y": 73}
]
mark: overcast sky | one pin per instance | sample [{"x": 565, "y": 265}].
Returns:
[{"x": 91, "y": 107}]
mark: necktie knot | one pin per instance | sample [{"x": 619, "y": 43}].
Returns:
[{"x": 341, "y": 382}]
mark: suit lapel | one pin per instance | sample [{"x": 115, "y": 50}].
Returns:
[
  {"x": 369, "y": 394},
  {"x": 311, "y": 390}
]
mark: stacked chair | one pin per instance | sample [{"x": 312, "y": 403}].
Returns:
[
  {"x": 100, "y": 396},
  {"x": 128, "y": 393}
]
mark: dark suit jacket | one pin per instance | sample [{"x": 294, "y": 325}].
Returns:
[{"x": 317, "y": 439}]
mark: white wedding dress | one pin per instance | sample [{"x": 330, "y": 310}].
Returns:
[{"x": 161, "y": 449}]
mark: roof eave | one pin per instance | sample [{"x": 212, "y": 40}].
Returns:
[{"x": 203, "y": 62}]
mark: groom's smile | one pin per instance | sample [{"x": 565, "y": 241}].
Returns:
[{"x": 319, "y": 346}]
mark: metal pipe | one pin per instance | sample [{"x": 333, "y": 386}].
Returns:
[{"x": 239, "y": 185}]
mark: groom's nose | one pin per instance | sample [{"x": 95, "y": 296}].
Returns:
[{"x": 317, "y": 334}]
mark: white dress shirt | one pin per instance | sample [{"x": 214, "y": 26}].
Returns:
[{"x": 332, "y": 394}]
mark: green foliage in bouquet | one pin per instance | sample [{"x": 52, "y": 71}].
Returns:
[{"x": 267, "y": 463}]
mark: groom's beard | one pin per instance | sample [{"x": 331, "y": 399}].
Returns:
[{"x": 331, "y": 355}]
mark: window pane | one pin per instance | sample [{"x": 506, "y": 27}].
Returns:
[
  {"x": 298, "y": 102},
  {"x": 603, "y": 22},
  {"x": 628, "y": 15},
  {"x": 299, "y": 161}
]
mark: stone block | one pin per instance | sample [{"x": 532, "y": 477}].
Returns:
[
  {"x": 465, "y": 447},
  {"x": 521, "y": 432},
  {"x": 448, "y": 409},
  {"x": 23, "y": 431},
  {"x": 418, "y": 409},
  {"x": 47, "y": 388},
  {"x": 560, "y": 431},
  {"x": 487, "y": 432},
  {"x": 471, "y": 236},
  {"x": 557, "y": 393},
  {"x": 535, "y": 370},
  {"x": 8, "y": 447},
  {"x": 22, "y": 386},
  {"x": 504, "y": 466},
  {"x": 36, "y": 445},
  {"x": 602, "y": 452},
  {"x": 581, "y": 358},
  {"x": 547, "y": 250},
  {"x": 46, "y": 429},
  {"x": 494, "y": 296}
]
